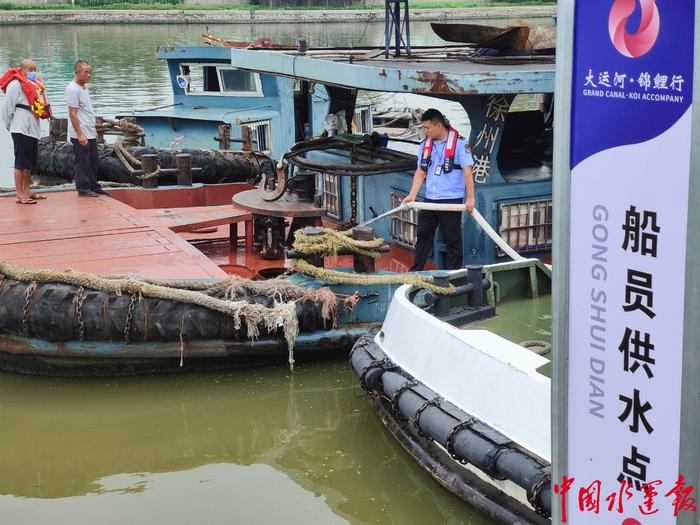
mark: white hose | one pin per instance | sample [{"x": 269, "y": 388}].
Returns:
[
  {"x": 436, "y": 206},
  {"x": 503, "y": 245}
]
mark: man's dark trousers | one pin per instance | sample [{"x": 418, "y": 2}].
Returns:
[
  {"x": 85, "y": 167},
  {"x": 450, "y": 223}
]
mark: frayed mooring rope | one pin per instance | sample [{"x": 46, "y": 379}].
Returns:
[{"x": 255, "y": 316}]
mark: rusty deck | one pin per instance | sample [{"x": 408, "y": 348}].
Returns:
[
  {"x": 107, "y": 237},
  {"x": 119, "y": 235}
]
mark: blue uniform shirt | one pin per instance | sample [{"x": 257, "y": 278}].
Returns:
[{"x": 446, "y": 185}]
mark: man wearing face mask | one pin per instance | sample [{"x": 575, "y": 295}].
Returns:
[
  {"x": 82, "y": 132},
  {"x": 444, "y": 162},
  {"x": 24, "y": 106}
]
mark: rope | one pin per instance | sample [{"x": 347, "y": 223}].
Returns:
[
  {"x": 256, "y": 316},
  {"x": 126, "y": 125},
  {"x": 278, "y": 289},
  {"x": 335, "y": 276},
  {"x": 329, "y": 243},
  {"x": 120, "y": 155},
  {"x": 119, "y": 145},
  {"x": 148, "y": 176}
]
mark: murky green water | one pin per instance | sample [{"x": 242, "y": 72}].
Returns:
[
  {"x": 522, "y": 320},
  {"x": 242, "y": 447}
]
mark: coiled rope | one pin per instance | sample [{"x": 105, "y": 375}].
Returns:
[{"x": 329, "y": 243}]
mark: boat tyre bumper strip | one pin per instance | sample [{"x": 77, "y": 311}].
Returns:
[{"x": 420, "y": 412}]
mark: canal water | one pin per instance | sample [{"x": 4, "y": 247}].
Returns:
[{"x": 240, "y": 447}]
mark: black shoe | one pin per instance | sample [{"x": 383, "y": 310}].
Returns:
[
  {"x": 87, "y": 194},
  {"x": 100, "y": 191}
]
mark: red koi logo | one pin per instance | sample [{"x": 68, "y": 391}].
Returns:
[{"x": 641, "y": 42}]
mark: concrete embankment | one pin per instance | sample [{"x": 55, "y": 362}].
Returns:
[{"x": 90, "y": 16}]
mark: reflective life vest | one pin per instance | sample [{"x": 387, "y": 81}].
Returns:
[
  {"x": 450, "y": 148},
  {"x": 33, "y": 90}
]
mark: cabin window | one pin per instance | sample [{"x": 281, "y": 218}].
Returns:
[
  {"x": 260, "y": 135},
  {"x": 220, "y": 80},
  {"x": 363, "y": 120},
  {"x": 331, "y": 195},
  {"x": 404, "y": 225},
  {"x": 237, "y": 80},
  {"x": 526, "y": 226}
]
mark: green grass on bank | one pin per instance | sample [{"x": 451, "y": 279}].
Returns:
[{"x": 178, "y": 5}]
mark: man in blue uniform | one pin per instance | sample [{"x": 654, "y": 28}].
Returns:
[{"x": 444, "y": 162}]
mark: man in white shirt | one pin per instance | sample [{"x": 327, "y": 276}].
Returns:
[
  {"x": 82, "y": 132},
  {"x": 19, "y": 84}
]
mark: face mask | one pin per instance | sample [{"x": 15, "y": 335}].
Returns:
[{"x": 31, "y": 75}]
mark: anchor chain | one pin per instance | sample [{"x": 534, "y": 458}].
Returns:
[
  {"x": 534, "y": 498},
  {"x": 436, "y": 402},
  {"x": 79, "y": 313},
  {"x": 28, "y": 295},
  {"x": 129, "y": 315},
  {"x": 353, "y": 200}
]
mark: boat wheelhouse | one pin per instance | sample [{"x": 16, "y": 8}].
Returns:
[{"x": 269, "y": 99}]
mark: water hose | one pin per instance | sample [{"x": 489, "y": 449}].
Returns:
[{"x": 435, "y": 206}]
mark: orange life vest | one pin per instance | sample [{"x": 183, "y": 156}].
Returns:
[
  {"x": 450, "y": 148},
  {"x": 33, "y": 90}
]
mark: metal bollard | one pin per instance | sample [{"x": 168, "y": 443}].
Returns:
[
  {"x": 183, "y": 161},
  {"x": 363, "y": 263},
  {"x": 149, "y": 163},
  {"x": 224, "y": 137},
  {"x": 442, "y": 304},
  {"x": 475, "y": 277}
]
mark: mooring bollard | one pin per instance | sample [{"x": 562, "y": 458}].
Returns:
[
  {"x": 442, "y": 304},
  {"x": 99, "y": 122},
  {"x": 224, "y": 137},
  {"x": 149, "y": 163},
  {"x": 183, "y": 161},
  {"x": 475, "y": 277},
  {"x": 58, "y": 129},
  {"x": 363, "y": 263}
]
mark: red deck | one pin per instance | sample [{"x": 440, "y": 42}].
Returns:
[
  {"x": 107, "y": 236},
  {"x": 104, "y": 236}
]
